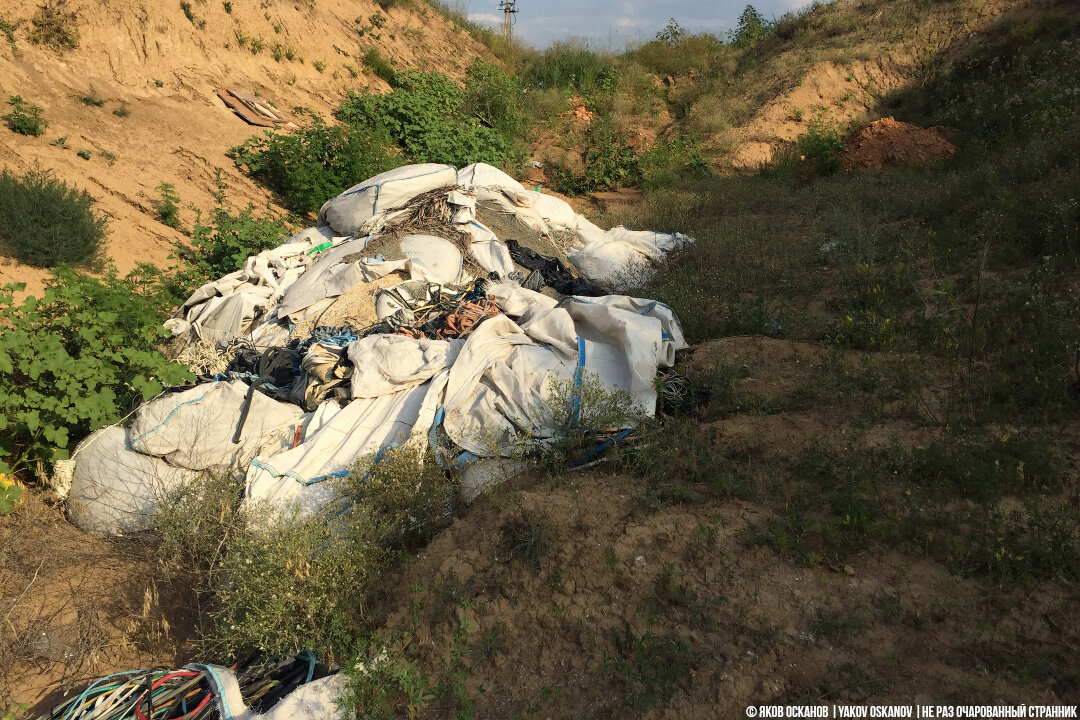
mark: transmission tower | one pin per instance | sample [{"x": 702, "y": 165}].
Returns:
[{"x": 509, "y": 8}]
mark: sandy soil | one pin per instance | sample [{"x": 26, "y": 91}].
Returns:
[{"x": 178, "y": 132}]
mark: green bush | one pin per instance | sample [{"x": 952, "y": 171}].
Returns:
[
  {"x": 310, "y": 166},
  {"x": 572, "y": 66},
  {"x": 76, "y": 359},
  {"x": 55, "y": 27},
  {"x": 290, "y": 583},
  {"x": 26, "y": 118},
  {"x": 814, "y": 152},
  {"x": 496, "y": 99},
  {"x": 609, "y": 161},
  {"x": 223, "y": 246},
  {"x": 422, "y": 116},
  {"x": 44, "y": 221}
]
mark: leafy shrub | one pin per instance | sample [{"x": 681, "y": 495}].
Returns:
[
  {"x": 496, "y": 99},
  {"x": 76, "y": 359},
  {"x": 290, "y": 583},
  {"x": 816, "y": 151},
  {"x": 422, "y": 116},
  {"x": 55, "y": 27},
  {"x": 378, "y": 65},
  {"x": 608, "y": 159},
  {"x": 188, "y": 13},
  {"x": 310, "y": 166},
  {"x": 84, "y": 154},
  {"x": 572, "y": 66},
  {"x": 43, "y": 221},
  {"x": 168, "y": 210},
  {"x": 122, "y": 112},
  {"x": 319, "y": 65},
  {"x": 674, "y": 52},
  {"x": 223, "y": 246},
  {"x": 26, "y": 118}
]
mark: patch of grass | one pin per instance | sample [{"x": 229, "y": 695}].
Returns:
[
  {"x": 55, "y": 27},
  {"x": 123, "y": 111},
  {"x": 45, "y": 222},
  {"x": 319, "y": 65},
  {"x": 527, "y": 537},
  {"x": 650, "y": 667},
  {"x": 375, "y": 62},
  {"x": 26, "y": 118}
]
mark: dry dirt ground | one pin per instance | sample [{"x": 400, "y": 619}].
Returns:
[
  {"x": 164, "y": 68},
  {"x": 888, "y": 143},
  {"x": 584, "y": 599}
]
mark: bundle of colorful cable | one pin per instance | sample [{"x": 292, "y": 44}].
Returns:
[{"x": 195, "y": 692}]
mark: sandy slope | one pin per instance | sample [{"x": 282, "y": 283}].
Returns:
[{"x": 179, "y": 132}]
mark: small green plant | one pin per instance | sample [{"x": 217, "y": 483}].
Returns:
[
  {"x": 256, "y": 46},
  {"x": 91, "y": 97},
  {"x": 228, "y": 7},
  {"x": 10, "y": 495},
  {"x": 797, "y": 115},
  {"x": 110, "y": 156},
  {"x": 55, "y": 27},
  {"x": 45, "y": 222},
  {"x": 8, "y": 28},
  {"x": 353, "y": 72},
  {"x": 319, "y": 65},
  {"x": 277, "y": 52},
  {"x": 26, "y": 118},
  {"x": 241, "y": 38},
  {"x": 158, "y": 83},
  {"x": 84, "y": 154},
  {"x": 60, "y": 142},
  {"x": 123, "y": 111},
  {"x": 188, "y": 12},
  {"x": 168, "y": 207}
]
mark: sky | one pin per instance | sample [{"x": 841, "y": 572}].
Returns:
[{"x": 613, "y": 24}]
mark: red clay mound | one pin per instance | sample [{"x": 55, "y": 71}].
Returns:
[{"x": 888, "y": 143}]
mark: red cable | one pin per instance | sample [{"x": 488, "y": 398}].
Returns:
[{"x": 171, "y": 676}]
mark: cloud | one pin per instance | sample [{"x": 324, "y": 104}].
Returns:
[{"x": 485, "y": 17}]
